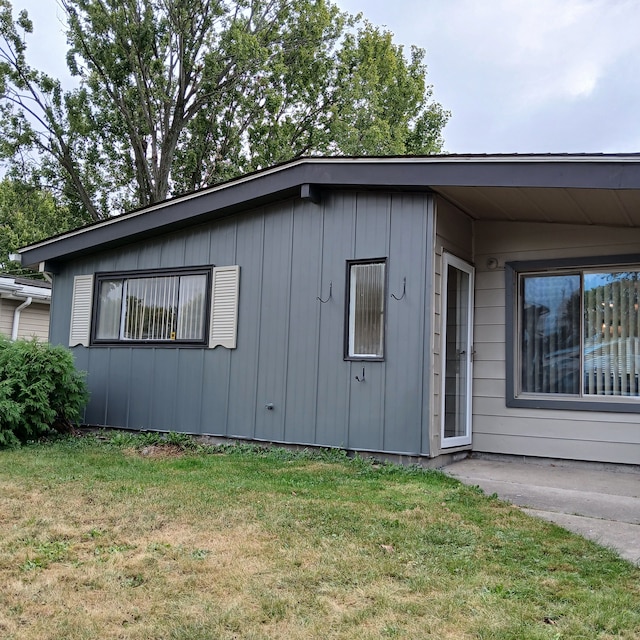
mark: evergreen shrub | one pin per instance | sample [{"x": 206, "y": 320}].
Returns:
[{"x": 41, "y": 392}]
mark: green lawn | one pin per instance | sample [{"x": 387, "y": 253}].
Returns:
[{"x": 125, "y": 539}]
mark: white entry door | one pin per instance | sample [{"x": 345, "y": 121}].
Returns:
[{"x": 457, "y": 357}]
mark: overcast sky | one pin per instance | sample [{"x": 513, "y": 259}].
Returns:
[{"x": 518, "y": 76}]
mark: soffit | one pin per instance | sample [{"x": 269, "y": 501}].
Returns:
[{"x": 609, "y": 207}]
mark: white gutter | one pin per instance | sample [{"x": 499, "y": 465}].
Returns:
[
  {"x": 8, "y": 285},
  {"x": 366, "y": 160},
  {"x": 10, "y": 290},
  {"x": 26, "y": 294},
  {"x": 16, "y": 317}
]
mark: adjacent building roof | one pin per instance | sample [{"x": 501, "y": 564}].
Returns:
[
  {"x": 17, "y": 288},
  {"x": 591, "y": 189}
]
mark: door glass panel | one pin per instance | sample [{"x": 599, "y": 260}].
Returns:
[{"x": 457, "y": 354}]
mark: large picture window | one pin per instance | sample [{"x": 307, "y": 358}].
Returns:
[
  {"x": 152, "y": 307},
  {"x": 366, "y": 308},
  {"x": 576, "y": 335}
]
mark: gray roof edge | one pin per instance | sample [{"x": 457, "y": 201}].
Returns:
[{"x": 421, "y": 172}]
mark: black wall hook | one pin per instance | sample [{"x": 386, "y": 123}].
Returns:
[
  {"x": 358, "y": 378},
  {"x": 404, "y": 290},
  {"x": 330, "y": 293}
]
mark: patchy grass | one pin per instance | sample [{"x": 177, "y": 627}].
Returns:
[{"x": 121, "y": 539}]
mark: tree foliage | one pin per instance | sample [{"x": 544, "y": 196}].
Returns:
[
  {"x": 27, "y": 215},
  {"x": 174, "y": 95}
]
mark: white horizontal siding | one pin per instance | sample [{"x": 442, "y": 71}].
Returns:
[
  {"x": 488, "y": 369},
  {"x": 490, "y": 315},
  {"x": 489, "y": 352},
  {"x": 583, "y": 435},
  {"x": 594, "y": 451},
  {"x": 33, "y": 322},
  {"x": 489, "y": 333},
  {"x": 599, "y": 420},
  {"x": 484, "y": 387},
  {"x": 6, "y": 317}
]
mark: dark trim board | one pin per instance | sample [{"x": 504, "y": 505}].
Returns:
[
  {"x": 562, "y": 403},
  {"x": 347, "y": 309},
  {"x": 101, "y": 276},
  {"x": 307, "y": 176}
]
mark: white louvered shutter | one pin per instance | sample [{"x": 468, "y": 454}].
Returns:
[
  {"x": 81, "y": 310},
  {"x": 224, "y": 307}
]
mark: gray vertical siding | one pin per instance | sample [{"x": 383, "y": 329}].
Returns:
[
  {"x": 142, "y": 370},
  {"x": 243, "y": 377},
  {"x": 290, "y": 345},
  {"x": 366, "y": 400},
  {"x": 332, "y": 406},
  {"x": 301, "y": 384},
  {"x": 273, "y": 328},
  {"x": 405, "y": 382}
]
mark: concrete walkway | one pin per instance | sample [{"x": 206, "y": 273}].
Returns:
[{"x": 599, "y": 502}]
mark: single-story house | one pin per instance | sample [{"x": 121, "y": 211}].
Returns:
[
  {"x": 416, "y": 306},
  {"x": 24, "y": 307}
]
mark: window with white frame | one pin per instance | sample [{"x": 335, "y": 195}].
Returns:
[
  {"x": 576, "y": 335},
  {"x": 152, "y": 307},
  {"x": 366, "y": 287}
]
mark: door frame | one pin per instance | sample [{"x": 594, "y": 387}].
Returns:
[{"x": 448, "y": 259}]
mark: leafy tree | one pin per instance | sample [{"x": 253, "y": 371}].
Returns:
[
  {"x": 175, "y": 95},
  {"x": 28, "y": 214}
]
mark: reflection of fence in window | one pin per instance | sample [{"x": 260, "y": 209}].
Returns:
[
  {"x": 153, "y": 308},
  {"x": 191, "y": 312},
  {"x": 151, "y": 311},
  {"x": 550, "y": 338},
  {"x": 612, "y": 334},
  {"x": 366, "y": 321},
  {"x": 581, "y": 327}
]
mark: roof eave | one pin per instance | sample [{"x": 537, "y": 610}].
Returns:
[{"x": 276, "y": 183}]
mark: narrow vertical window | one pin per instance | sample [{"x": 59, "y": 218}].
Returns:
[{"x": 366, "y": 309}]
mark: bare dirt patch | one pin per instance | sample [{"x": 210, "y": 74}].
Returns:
[{"x": 158, "y": 451}]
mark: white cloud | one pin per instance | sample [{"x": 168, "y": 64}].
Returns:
[
  {"x": 517, "y": 75},
  {"x": 520, "y": 75}
]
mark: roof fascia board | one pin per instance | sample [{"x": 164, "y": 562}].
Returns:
[{"x": 590, "y": 172}]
